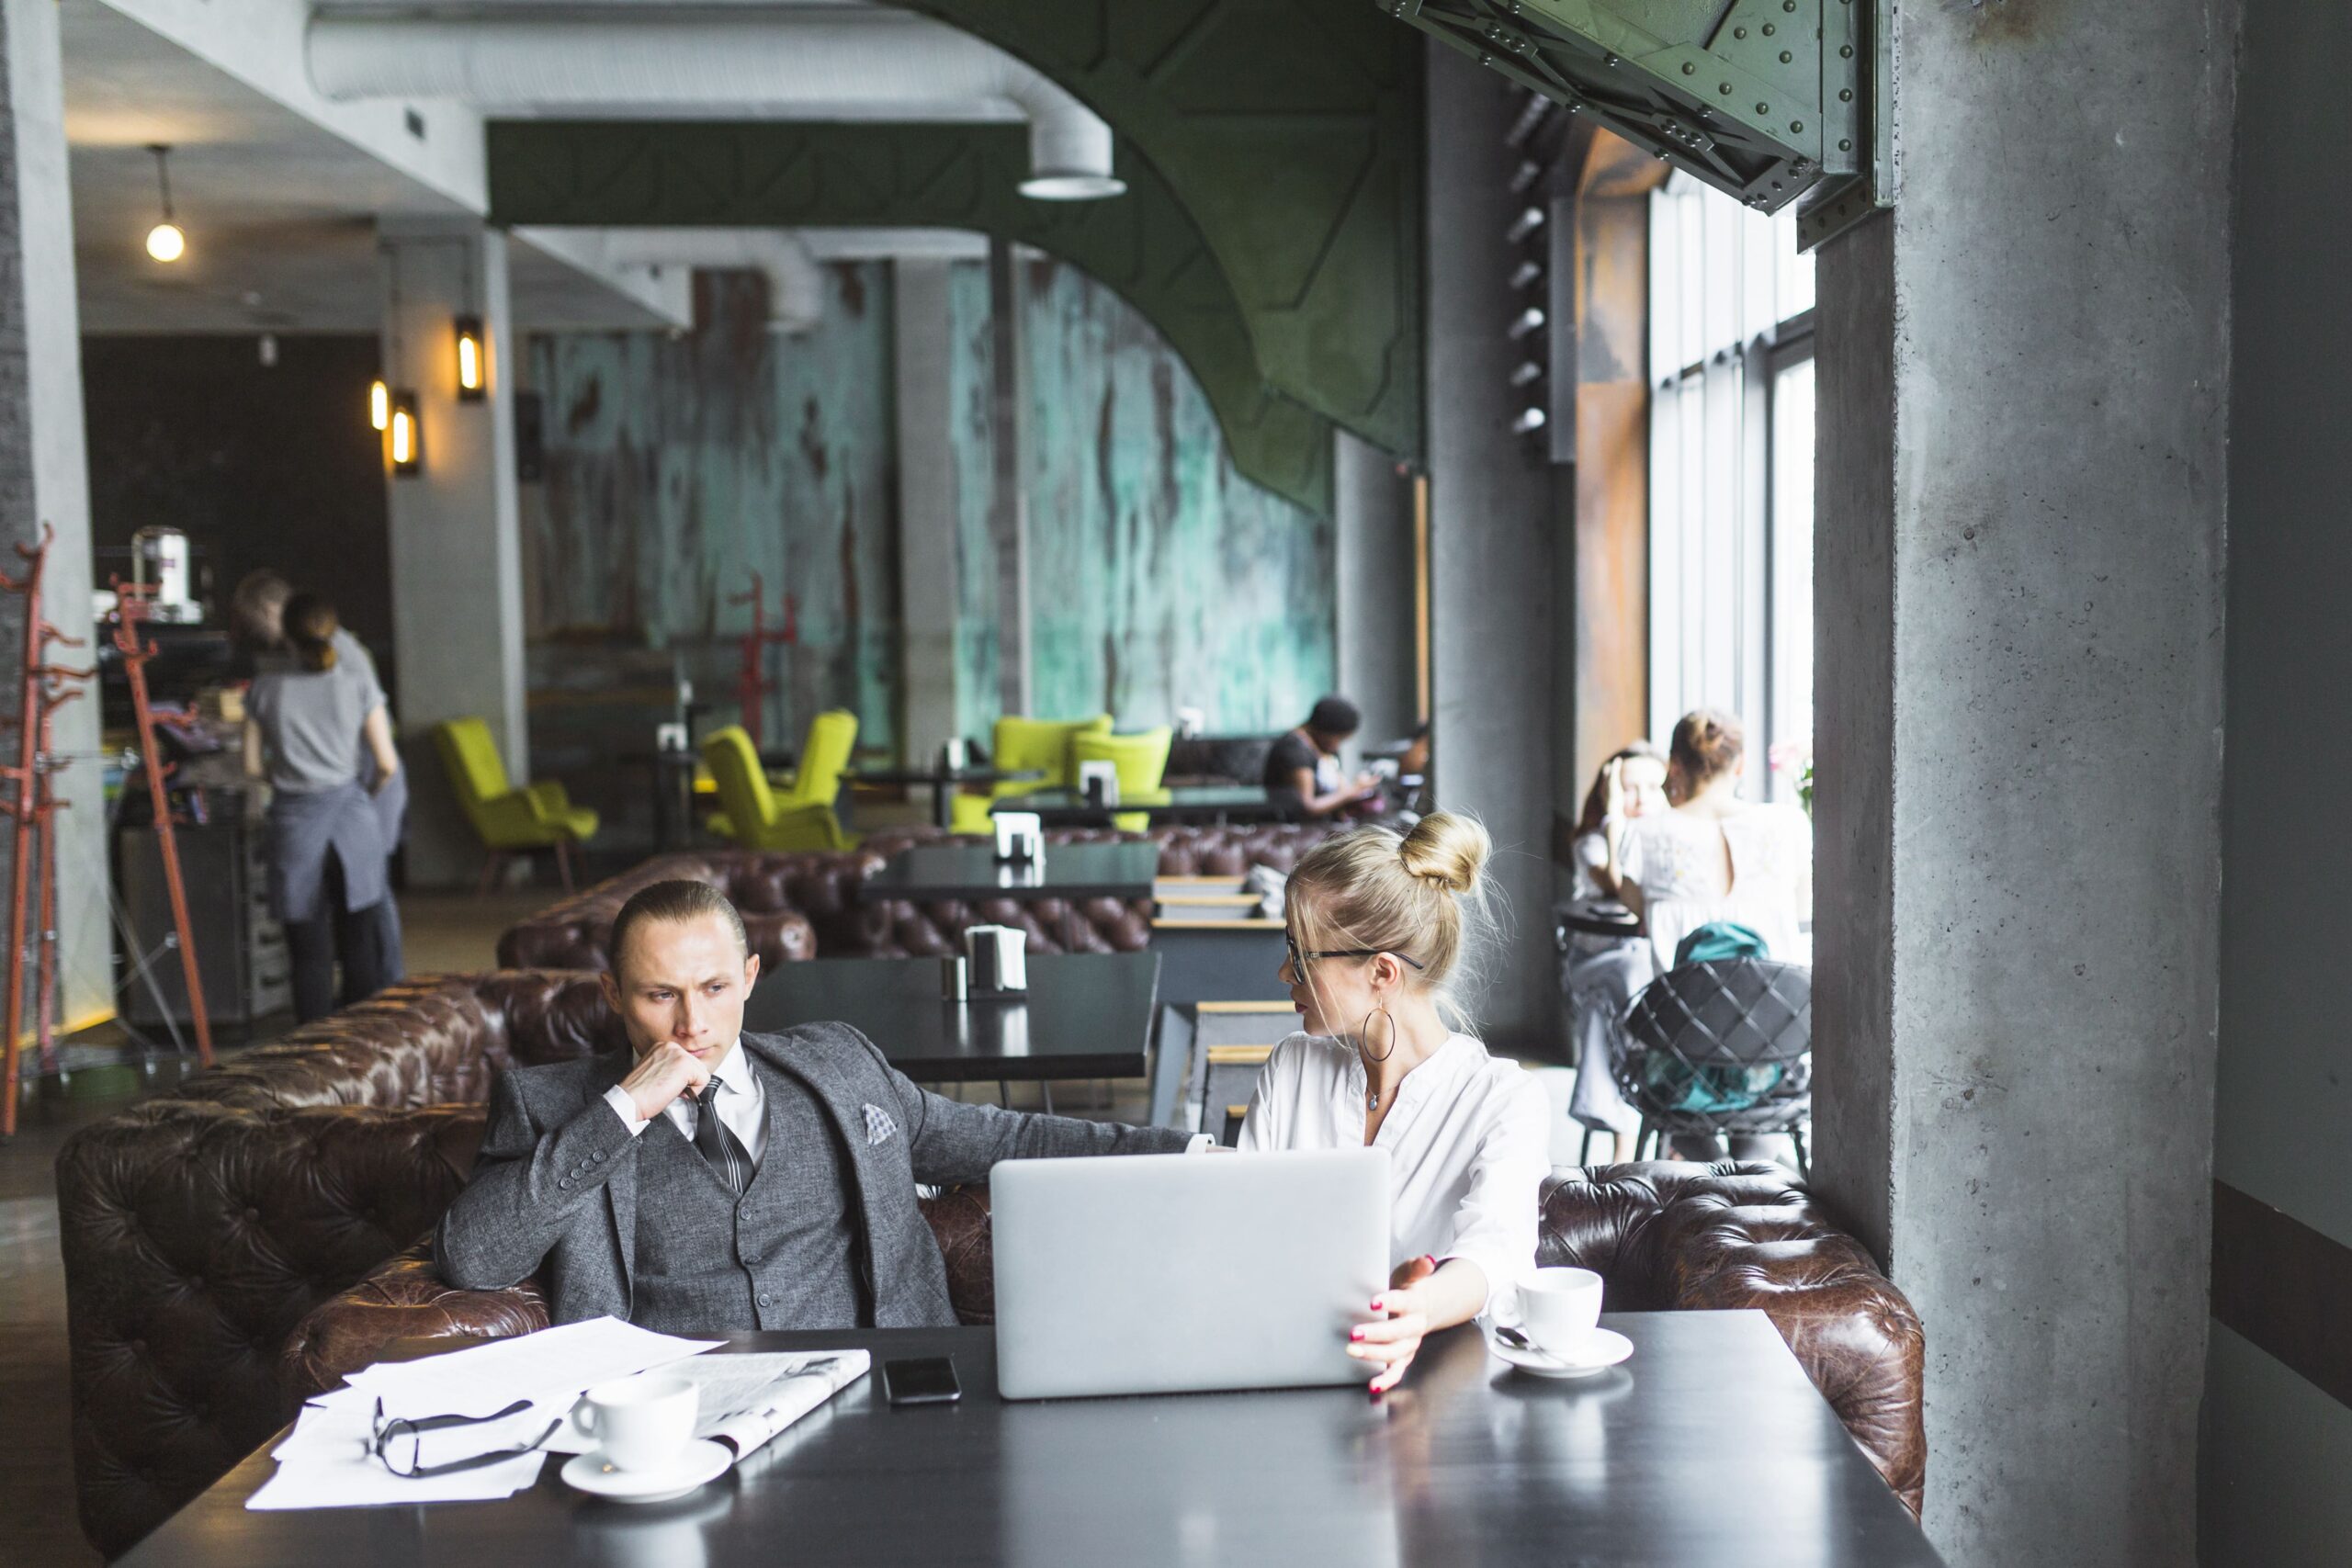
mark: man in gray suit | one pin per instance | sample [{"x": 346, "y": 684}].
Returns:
[{"x": 723, "y": 1181}]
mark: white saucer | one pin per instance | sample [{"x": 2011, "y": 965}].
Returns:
[
  {"x": 1604, "y": 1350},
  {"x": 702, "y": 1460}
]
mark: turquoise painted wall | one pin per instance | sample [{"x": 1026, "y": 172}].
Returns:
[
  {"x": 1160, "y": 579},
  {"x": 677, "y": 467}
]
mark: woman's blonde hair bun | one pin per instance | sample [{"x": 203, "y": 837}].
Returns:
[{"x": 1447, "y": 849}]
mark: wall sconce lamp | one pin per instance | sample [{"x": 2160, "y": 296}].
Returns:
[
  {"x": 379, "y": 404},
  {"x": 166, "y": 242},
  {"x": 406, "y": 443},
  {"x": 470, "y": 383}
]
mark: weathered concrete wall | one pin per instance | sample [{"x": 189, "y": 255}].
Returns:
[
  {"x": 1160, "y": 579},
  {"x": 676, "y": 467},
  {"x": 2277, "y": 1447},
  {"x": 2020, "y": 524},
  {"x": 1491, "y": 578}
]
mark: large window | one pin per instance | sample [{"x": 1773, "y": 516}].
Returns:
[{"x": 1731, "y": 476}]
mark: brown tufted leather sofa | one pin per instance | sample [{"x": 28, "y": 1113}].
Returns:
[{"x": 804, "y": 904}]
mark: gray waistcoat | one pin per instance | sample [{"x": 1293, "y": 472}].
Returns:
[{"x": 782, "y": 1257}]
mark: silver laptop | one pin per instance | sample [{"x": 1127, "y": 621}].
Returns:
[{"x": 1172, "y": 1273}]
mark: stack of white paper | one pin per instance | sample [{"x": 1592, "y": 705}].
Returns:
[{"x": 326, "y": 1461}]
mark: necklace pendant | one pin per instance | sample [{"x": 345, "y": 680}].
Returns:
[{"x": 1372, "y": 1100}]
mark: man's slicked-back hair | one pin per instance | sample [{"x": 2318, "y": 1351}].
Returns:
[{"x": 673, "y": 902}]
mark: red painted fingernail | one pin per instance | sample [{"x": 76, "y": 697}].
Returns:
[
  {"x": 1430, "y": 1258},
  {"x": 1355, "y": 1333}
]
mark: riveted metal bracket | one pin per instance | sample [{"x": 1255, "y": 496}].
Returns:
[{"x": 1766, "y": 100}]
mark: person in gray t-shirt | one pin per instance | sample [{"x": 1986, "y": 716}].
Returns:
[{"x": 309, "y": 724}]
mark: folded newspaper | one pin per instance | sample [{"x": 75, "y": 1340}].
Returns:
[{"x": 748, "y": 1399}]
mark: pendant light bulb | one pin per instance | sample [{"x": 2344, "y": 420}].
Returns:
[
  {"x": 166, "y": 242},
  {"x": 379, "y": 404}
]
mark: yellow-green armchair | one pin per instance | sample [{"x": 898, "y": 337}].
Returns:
[
  {"x": 751, "y": 811},
  {"x": 1027, "y": 745},
  {"x": 1141, "y": 760},
  {"x": 508, "y": 819},
  {"x": 824, "y": 754}
]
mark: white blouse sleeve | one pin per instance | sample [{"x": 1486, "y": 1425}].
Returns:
[
  {"x": 1495, "y": 1226},
  {"x": 1273, "y": 1104}
]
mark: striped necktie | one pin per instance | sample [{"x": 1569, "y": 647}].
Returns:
[{"x": 719, "y": 1144}]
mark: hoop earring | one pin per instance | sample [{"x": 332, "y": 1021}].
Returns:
[{"x": 1363, "y": 1032}]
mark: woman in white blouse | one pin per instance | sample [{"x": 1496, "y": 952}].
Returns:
[
  {"x": 1375, "y": 933},
  {"x": 1714, "y": 856}
]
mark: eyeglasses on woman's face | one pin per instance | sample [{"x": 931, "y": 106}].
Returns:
[{"x": 1299, "y": 957}]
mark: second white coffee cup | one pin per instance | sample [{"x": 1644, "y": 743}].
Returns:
[
  {"x": 640, "y": 1422},
  {"x": 1559, "y": 1308}
]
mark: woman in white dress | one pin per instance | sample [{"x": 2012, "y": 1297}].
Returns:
[
  {"x": 1375, "y": 934},
  {"x": 1713, "y": 856}
]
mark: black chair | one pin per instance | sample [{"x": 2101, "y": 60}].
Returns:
[{"x": 1737, "y": 1030}]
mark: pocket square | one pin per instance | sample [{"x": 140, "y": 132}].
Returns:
[{"x": 879, "y": 1128}]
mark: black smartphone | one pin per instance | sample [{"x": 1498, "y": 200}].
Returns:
[{"x": 920, "y": 1379}]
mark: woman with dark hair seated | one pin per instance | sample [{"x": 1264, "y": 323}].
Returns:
[{"x": 1303, "y": 767}]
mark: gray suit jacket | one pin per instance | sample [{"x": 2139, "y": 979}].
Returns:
[{"x": 554, "y": 1191}]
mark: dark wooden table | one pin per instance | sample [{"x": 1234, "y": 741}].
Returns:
[
  {"x": 1207, "y": 804},
  {"x": 1709, "y": 1448},
  {"x": 942, "y": 783},
  {"x": 1086, "y": 1015},
  {"x": 970, "y": 874}
]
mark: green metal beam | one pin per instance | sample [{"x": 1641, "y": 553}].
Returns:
[
  {"x": 1767, "y": 100},
  {"x": 1144, "y": 245},
  {"x": 1290, "y": 130}
]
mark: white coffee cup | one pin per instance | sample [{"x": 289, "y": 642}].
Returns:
[
  {"x": 1559, "y": 1308},
  {"x": 640, "y": 1422}
]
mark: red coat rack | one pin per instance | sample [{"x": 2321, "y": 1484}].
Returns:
[{"x": 751, "y": 683}]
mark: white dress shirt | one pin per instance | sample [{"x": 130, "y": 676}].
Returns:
[
  {"x": 1468, "y": 1142},
  {"x": 742, "y": 1105}
]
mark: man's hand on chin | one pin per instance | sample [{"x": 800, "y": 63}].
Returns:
[{"x": 660, "y": 1076}]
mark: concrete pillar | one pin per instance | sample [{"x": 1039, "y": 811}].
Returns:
[
  {"x": 2020, "y": 501},
  {"x": 44, "y": 474},
  {"x": 1490, "y": 573},
  {"x": 456, "y": 536},
  {"x": 1372, "y": 560},
  {"x": 1009, "y": 510},
  {"x": 923, "y": 345}
]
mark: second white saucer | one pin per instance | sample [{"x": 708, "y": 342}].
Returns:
[
  {"x": 701, "y": 1459},
  {"x": 1602, "y": 1349}
]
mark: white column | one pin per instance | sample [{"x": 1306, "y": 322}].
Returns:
[
  {"x": 922, "y": 338},
  {"x": 44, "y": 472},
  {"x": 455, "y": 538}
]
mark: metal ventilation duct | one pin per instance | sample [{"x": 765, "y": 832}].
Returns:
[
  {"x": 800, "y": 64},
  {"x": 795, "y": 282}
]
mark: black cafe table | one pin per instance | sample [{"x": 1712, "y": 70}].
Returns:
[
  {"x": 1085, "y": 1015},
  {"x": 967, "y": 871},
  {"x": 1708, "y": 1448},
  {"x": 1200, "y": 804},
  {"x": 941, "y": 781}
]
